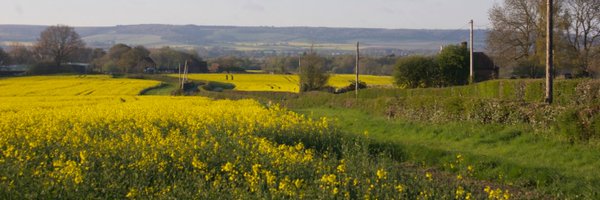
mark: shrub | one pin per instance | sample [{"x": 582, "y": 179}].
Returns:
[
  {"x": 218, "y": 86},
  {"x": 569, "y": 125},
  {"x": 415, "y": 71},
  {"x": 312, "y": 73},
  {"x": 49, "y": 68}
]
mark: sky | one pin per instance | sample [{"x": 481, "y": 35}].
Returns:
[{"x": 392, "y": 14}]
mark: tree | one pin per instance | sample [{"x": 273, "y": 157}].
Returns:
[
  {"x": 583, "y": 31},
  {"x": 415, "y": 71},
  {"x": 4, "y": 58},
  {"x": 312, "y": 72},
  {"x": 110, "y": 61},
  {"x": 20, "y": 54},
  {"x": 344, "y": 64},
  {"x": 124, "y": 59},
  {"x": 167, "y": 58},
  {"x": 515, "y": 28},
  {"x": 453, "y": 63},
  {"x": 518, "y": 34},
  {"x": 58, "y": 43}
]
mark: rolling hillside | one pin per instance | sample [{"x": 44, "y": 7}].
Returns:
[{"x": 252, "y": 38}]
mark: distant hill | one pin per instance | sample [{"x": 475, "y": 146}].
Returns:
[{"x": 253, "y": 38}]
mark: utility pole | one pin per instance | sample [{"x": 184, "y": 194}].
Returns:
[
  {"x": 549, "y": 50},
  {"x": 357, "y": 68},
  {"x": 179, "y": 73},
  {"x": 184, "y": 79},
  {"x": 471, "y": 70},
  {"x": 300, "y": 72}
]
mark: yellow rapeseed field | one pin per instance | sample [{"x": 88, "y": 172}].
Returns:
[
  {"x": 141, "y": 147},
  {"x": 89, "y": 85},
  {"x": 283, "y": 83},
  {"x": 120, "y": 146}
]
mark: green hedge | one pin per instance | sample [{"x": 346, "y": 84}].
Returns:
[{"x": 566, "y": 92}]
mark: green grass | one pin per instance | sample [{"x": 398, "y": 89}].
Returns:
[
  {"x": 165, "y": 89},
  {"x": 506, "y": 154}
]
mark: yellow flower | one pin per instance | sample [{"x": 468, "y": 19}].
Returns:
[
  {"x": 228, "y": 167},
  {"x": 329, "y": 178},
  {"x": 400, "y": 188},
  {"x": 381, "y": 174},
  {"x": 335, "y": 191},
  {"x": 298, "y": 183},
  {"x": 429, "y": 176},
  {"x": 506, "y": 195},
  {"x": 460, "y": 191}
]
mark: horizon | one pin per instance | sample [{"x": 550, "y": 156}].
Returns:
[{"x": 243, "y": 26}]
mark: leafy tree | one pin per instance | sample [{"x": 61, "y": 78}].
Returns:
[
  {"x": 110, "y": 62},
  {"x": 58, "y": 44},
  {"x": 415, "y": 71},
  {"x": 124, "y": 59},
  {"x": 116, "y": 51},
  {"x": 313, "y": 75},
  {"x": 135, "y": 60},
  {"x": 453, "y": 63}
]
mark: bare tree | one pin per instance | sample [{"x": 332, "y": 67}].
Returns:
[
  {"x": 58, "y": 44},
  {"x": 583, "y": 31},
  {"x": 4, "y": 58},
  {"x": 20, "y": 54},
  {"x": 518, "y": 35},
  {"x": 515, "y": 28}
]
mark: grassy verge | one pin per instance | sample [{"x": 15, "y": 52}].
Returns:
[
  {"x": 502, "y": 150},
  {"x": 504, "y": 154}
]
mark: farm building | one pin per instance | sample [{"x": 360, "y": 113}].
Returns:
[{"x": 484, "y": 67}]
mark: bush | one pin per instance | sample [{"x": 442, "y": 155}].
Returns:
[
  {"x": 595, "y": 126},
  {"x": 415, "y": 71},
  {"x": 44, "y": 68},
  {"x": 569, "y": 125},
  {"x": 453, "y": 63},
  {"x": 218, "y": 86},
  {"x": 312, "y": 73}
]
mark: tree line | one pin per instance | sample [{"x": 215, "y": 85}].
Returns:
[
  {"x": 517, "y": 37},
  {"x": 59, "y": 47}
]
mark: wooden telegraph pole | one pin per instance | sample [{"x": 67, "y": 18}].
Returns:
[
  {"x": 185, "y": 72},
  {"x": 549, "y": 51},
  {"x": 471, "y": 68},
  {"x": 357, "y": 68},
  {"x": 179, "y": 73}
]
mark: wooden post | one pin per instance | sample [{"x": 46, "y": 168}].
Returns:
[
  {"x": 300, "y": 72},
  {"x": 471, "y": 67},
  {"x": 549, "y": 51},
  {"x": 187, "y": 70},
  {"x": 179, "y": 73},
  {"x": 357, "y": 68},
  {"x": 184, "y": 79}
]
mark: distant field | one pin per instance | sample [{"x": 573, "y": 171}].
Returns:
[
  {"x": 95, "y": 85},
  {"x": 283, "y": 83}
]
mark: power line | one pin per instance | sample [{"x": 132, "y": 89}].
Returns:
[{"x": 453, "y": 33}]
